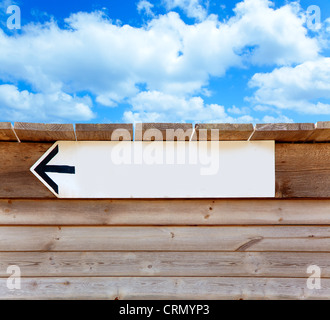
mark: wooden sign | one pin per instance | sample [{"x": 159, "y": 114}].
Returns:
[{"x": 205, "y": 169}]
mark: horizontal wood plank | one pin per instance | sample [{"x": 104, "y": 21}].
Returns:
[
  {"x": 223, "y": 131},
  {"x": 7, "y": 132},
  {"x": 165, "y": 212},
  {"x": 321, "y": 132},
  {"x": 16, "y": 180},
  {"x": 283, "y": 132},
  {"x": 274, "y": 238},
  {"x": 104, "y": 132},
  {"x": 168, "y": 288},
  {"x": 302, "y": 170},
  {"x": 157, "y": 264},
  {"x": 163, "y": 131},
  {"x": 44, "y": 132}
]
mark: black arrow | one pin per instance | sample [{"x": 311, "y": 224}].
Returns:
[{"x": 43, "y": 167}]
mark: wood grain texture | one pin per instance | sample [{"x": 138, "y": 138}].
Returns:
[
  {"x": 164, "y": 264},
  {"x": 44, "y": 132},
  {"x": 104, "y": 132},
  {"x": 163, "y": 131},
  {"x": 168, "y": 288},
  {"x": 283, "y": 132},
  {"x": 239, "y": 239},
  {"x": 165, "y": 212},
  {"x": 223, "y": 132},
  {"x": 302, "y": 170},
  {"x": 16, "y": 180},
  {"x": 321, "y": 132},
  {"x": 7, "y": 132}
]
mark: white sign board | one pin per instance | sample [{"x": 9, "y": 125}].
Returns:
[{"x": 193, "y": 169}]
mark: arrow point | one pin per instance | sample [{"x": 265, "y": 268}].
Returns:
[{"x": 42, "y": 168}]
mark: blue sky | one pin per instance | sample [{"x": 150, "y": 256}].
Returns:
[{"x": 112, "y": 61}]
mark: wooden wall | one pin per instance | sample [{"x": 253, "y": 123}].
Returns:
[{"x": 167, "y": 249}]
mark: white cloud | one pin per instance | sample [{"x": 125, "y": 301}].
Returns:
[
  {"x": 146, "y": 6},
  {"x": 168, "y": 56},
  {"x": 296, "y": 88},
  {"x": 4, "y": 4},
  {"x": 279, "y": 119},
  {"x": 261, "y": 108},
  {"x": 272, "y": 36},
  {"x": 193, "y": 8},
  {"x": 236, "y": 110},
  {"x": 26, "y": 106},
  {"x": 154, "y": 106}
]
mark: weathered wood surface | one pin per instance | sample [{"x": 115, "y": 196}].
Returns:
[
  {"x": 7, "y": 132},
  {"x": 283, "y": 132},
  {"x": 165, "y": 212},
  {"x": 169, "y": 288},
  {"x": 321, "y": 133},
  {"x": 16, "y": 180},
  {"x": 164, "y": 264},
  {"x": 167, "y": 249},
  {"x": 239, "y": 239},
  {"x": 104, "y": 132},
  {"x": 44, "y": 131},
  {"x": 163, "y": 131},
  {"x": 302, "y": 170},
  {"x": 223, "y": 132}
]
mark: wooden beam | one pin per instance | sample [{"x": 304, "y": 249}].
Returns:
[
  {"x": 7, "y": 132},
  {"x": 302, "y": 170},
  {"x": 223, "y": 132},
  {"x": 228, "y": 238},
  {"x": 321, "y": 133},
  {"x": 167, "y": 288},
  {"x": 44, "y": 132},
  {"x": 104, "y": 132},
  {"x": 283, "y": 132},
  {"x": 163, "y": 131},
  {"x": 164, "y": 212},
  {"x": 164, "y": 264}
]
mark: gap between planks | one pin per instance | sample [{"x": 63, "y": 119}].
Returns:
[{"x": 160, "y": 277}]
